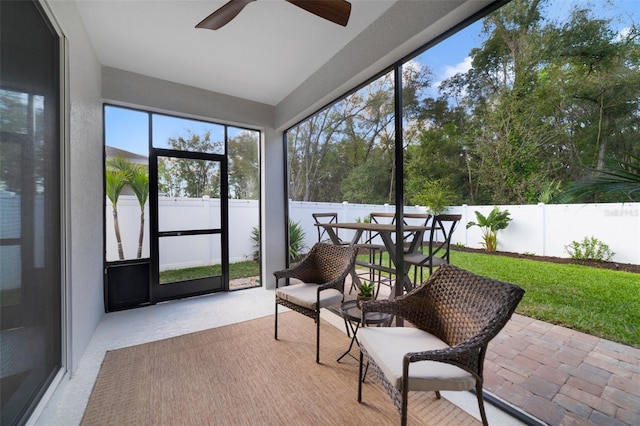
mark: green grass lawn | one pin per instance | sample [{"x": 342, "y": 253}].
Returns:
[
  {"x": 236, "y": 270},
  {"x": 600, "y": 302}
]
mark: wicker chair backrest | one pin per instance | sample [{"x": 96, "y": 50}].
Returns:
[
  {"x": 326, "y": 262},
  {"x": 457, "y": 305}
]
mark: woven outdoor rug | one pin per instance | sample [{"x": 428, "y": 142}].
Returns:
[{"x": 239, "y": 375}]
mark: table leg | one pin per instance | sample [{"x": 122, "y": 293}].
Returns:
[
  {"x": 353, "y": 339},
  {"x": 407, "y": 285},
  {"x": 355, "y": 279}
]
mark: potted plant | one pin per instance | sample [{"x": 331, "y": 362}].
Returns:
[{"x": 365, "y": 292}]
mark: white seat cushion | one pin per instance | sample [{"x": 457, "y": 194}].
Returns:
[
  {"x": 305, "y": 295},
  {"x": 387, "y": 347}
]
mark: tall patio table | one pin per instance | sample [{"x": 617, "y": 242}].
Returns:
[{"x": 386, "y": 232}]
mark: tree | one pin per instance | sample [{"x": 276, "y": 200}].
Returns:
[
  {"x": 544, "y": 103},
  {"x": 191, "y": 178},
  {"x": 619, "y": 179},
  {"x": 244, "y": 166},
  {"x": 507, "y": 134},
  {"x": 439, "y": 154},
  {"x": 120, "y": 174},
  {"x": 349, "y": 147},
  {"x": 312, "y": 153},
  {"x": 139, "y": 183},
  {"x": 600, "y": 71},
  {"x": 544, "y": 100},
  {"x": 436, "y": 195},
  {"x": 117, "y": 175},
  {"x": 364, "y": 182},
  {"x": 168, "y": 181}
]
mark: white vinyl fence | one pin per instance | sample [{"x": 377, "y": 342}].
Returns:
[
  {"x": 180, "y": 214},
  {"x": 540, "y": 229}
]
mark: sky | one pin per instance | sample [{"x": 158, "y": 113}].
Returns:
[{"x": 128, "y": 129}]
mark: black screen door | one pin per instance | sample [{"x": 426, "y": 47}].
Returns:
[{"x": 190, "y": 243}]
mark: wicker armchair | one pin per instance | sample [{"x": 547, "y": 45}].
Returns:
[
  {"x": 320, "y": 274},
  {"x": 454, "y": 315}
]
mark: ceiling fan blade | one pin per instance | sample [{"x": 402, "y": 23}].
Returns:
[
  {"x": 336, "y": 11},
  {"x": 224, "y": 15}
]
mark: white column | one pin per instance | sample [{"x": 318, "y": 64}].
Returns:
[{"x": 272, "y": 208}]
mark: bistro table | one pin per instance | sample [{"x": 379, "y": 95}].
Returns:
[
  {"x": 353, "y": 316},
  {"x": 386, "y": 232}
]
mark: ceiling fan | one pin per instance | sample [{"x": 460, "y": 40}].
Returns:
[{"x": 336, "y": 11}]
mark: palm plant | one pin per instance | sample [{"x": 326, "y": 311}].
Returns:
[
  {"x": 120, "y": 173},
  {"x": 296, "y": 240},
  {"x": 115, "y": 182},
  {"x": 139, "y": 183},
  {"x": 617, "y": 177},
  {"x": 490, "y": 225}
]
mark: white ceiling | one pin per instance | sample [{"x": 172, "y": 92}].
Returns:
[{"x": 262, "y": 55}]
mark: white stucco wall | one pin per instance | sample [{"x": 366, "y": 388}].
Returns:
[{"x": 84, "y": 183}]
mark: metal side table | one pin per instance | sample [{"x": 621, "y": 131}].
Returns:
[{"x": 353, "y": 317}]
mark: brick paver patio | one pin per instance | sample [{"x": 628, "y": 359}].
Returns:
[{"x": 564, "y": 377}]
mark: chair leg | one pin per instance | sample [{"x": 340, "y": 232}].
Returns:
[
  {"x": 276, "y": 325},
  {"x": 403, "y": 412},
  {"x": 360, "y": 378},
  {"x": 483, "y": 413},
  {"x": 415, "y": 274},
  {"x": 318, "y": 337}
]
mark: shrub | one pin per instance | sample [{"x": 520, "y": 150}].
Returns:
[
  {"x": 255, "y": 237},
  {"x": 296, "y": 241},
  {"x": 590, "y": 248},
  {"x": 436, "y": 195},
  {"x": 490, "y": 225}
]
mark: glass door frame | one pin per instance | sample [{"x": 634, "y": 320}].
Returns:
[{"x": 175, "y": 290}]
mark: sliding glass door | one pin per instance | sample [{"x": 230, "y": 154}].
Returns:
[{"x": 30, "y": 220}]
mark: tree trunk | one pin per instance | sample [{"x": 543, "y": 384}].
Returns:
[
  {"x": 141, "y": 234},
  {"x": 601, "y": 141},
  {"x": 116, "y": 225}
]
